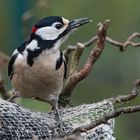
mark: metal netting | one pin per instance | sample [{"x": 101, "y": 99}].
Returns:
[{"x": 17, "y": 123}]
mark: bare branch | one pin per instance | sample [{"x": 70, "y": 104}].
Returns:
[
  {"x": 132, "y": 36},
  {"x": 124, "y": 110},
  {"x": 73, "y": 47},
  {"x": 90, "y": 42},
  {"x": 76, "y": 57},
  {"x": 124, "y": 98},
  {"x": 95, "y": 53},
  {"x": 105, "y": 118},
  {"x": 123, "y": 45},
  {"x": 114, "y": 42},
  {"x": 3, "y": 90}
]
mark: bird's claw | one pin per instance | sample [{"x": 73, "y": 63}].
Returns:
[{"x": 60, "y": 122}]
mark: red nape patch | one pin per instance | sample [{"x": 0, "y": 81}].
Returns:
[{"x": 34, "y": 29}]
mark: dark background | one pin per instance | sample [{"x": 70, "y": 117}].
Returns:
[{"x": 114, "y": 72}]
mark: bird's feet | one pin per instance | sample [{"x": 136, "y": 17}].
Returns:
[
  {"x": 60, "y": 122},
  {"x": 15, "y": 94},
  {"x": 58, "y": 115}
]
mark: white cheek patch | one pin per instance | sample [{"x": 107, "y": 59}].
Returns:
[{"x": 49, "y": 33}]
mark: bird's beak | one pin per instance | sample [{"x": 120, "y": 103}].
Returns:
[{"x": 73, "y": 24}]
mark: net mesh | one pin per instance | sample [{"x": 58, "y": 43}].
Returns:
[{"x": 18, "y": 123}]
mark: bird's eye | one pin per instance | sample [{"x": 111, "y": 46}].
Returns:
[{"x": 58, "y": 26}]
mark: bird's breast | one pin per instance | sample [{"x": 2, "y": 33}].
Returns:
[
  {"x": 46, "y": 63},
  {"x": 42, "y": 78}
]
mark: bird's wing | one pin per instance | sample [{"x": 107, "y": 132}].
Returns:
[
  {"x": 10, "y": 66},
  {"x": 20, "y": 50}
]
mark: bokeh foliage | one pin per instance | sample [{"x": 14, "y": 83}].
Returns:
[{"x": 112, "y": 74}]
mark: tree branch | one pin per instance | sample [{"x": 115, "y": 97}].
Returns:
[
  {"x": 106, "y": 117},
  {"x": 77, "y": 76},
  {"x": 116, "y": 113},
  {"x": 86, "y": 44},
  {"x": 125, "y": 98},
  {"x": 3, "y": 90},
  {"x": 123, "y": 45},
  {"x": 76, "y": 58}
]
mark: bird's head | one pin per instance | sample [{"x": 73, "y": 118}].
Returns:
[{"x": 57, "y": 29}]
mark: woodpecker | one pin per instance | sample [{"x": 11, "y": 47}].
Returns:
[{"x": 37, "y": 68}]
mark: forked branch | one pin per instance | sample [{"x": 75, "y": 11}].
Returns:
[
  {"x": 76, "y": 76},
  {"x": 121, "y": 45}
]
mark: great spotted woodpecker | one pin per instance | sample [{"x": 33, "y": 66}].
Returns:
[{"x": 37, "y": 68}]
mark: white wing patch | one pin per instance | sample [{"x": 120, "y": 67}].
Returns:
[
  {"x": 32, "y": 45},
  {"x": 15, "y": 52}
]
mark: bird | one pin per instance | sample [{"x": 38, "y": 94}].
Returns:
[{"x": 37, "y": 68}]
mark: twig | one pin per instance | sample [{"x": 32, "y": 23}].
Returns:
[
  {"x": 95, "y": 53},
  {"x": 128, "y": 97},
  {"x": 91, "y": 41},
  {"x": 116, "y": 113},
  {"x": 73, "y": 47},
  {"x": 123, "y": 45},
  {"x": 105, "y": 118},
  {"x": 76, "y": 57},
  {"x": 76, "y": 77},
  {"x": 3, "y": 90}
]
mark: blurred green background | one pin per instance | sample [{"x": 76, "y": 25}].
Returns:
[{"x": 114, "y": 72}]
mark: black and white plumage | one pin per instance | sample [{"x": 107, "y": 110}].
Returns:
[{"x": 37, "y": 68}]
